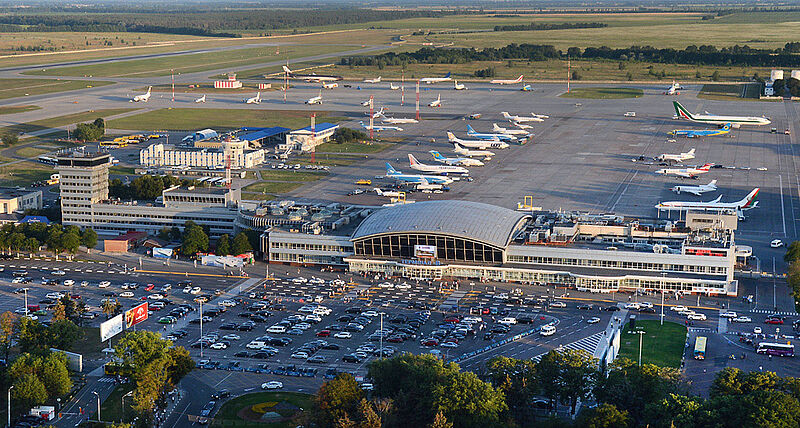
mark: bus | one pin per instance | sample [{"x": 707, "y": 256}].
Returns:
[
  {"x": 779, "y": 349},
  {"x": 112, "y": 368},
  {"x": 700, "y": 348}
]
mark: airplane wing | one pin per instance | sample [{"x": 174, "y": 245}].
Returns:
[
  {"x": 683, "y": 174},
  {"x": 694, "y": 192}
]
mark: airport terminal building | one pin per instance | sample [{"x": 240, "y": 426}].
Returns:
[{"x": 475, "y": 241}]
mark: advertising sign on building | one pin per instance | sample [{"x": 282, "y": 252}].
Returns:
[
  {"x": 136, "y": 315},
  {"x": 111, "y": 328},
  {"x": 425, "y": 251}
]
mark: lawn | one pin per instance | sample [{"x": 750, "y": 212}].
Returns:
[
  {"x": 193, "y": 118},
  {"x": 603, "y": 93},
  {"x": 57, "y": 121},
  {"x": 12, "y": 88},
  {"x": 121, "y": 170},
  {"x": 24, "y": 173},
  {"x": 254, "y": 404},
  {"x": 661, "y": 345},
  {"x": 31, "y": 152},
  {"x": 283, "y": 175},
  {"x": 111, "y": 408},
  {"x": 353, "y": 147},
  {"x": 711, "y": 91},
  {"x": 271, "y": 187},
  {"x": 17, "y": 109}
]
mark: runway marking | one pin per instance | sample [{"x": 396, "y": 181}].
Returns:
[{"x": 783, "y": 215}]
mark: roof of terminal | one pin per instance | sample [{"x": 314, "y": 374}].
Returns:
[
  {"x": 255, "y": 134},
  {"x": 476, "y": 221}
]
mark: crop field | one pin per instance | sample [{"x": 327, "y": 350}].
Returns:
[
  {"x": 191, "y": 118},
  {"x": 11, "y": 43},
  {"x": 12, "y": 88}
]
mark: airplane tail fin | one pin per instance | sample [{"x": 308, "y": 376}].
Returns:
[
  {"x": 458, "y": 147},
  {"x": 378, "y": 191},
  {"x": 495, "y": 127},
  {"x": 719, "y": 198},
  {"x": 713, "y": 183},
  {"x": 450, "y": 136},
  {"x": 148, "y": 89},
  {"x": 506, "y": 115},
  {"x": 389, "y": 169},
  {"x": 727, "y": 127},
  {"x": 691, "y": 152},
  {"x": 412, "y": 161},
  {"x": 681, "y": 111},
  {"x": 436, "y": 155},
  {"x": 706, "y": 166},
  {"x": 749, "y": 200},
  {"x": 447, "y": 75},
  {"x": 286, "y": 69},
  {"x": 470, "y": 130},
  {"x": 519, "y": 79}
]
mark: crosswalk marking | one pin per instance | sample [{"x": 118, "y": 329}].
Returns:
[
  {"x": 588, "y": 344},
  {"x": 765, "y": 311}
]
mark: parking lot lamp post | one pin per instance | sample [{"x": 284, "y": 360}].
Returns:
[
  {"x": 381, "y": 345},
  {"x": 122, "y": 409},
  {"x": 640, "y": 333},
  {"x": 9, "y": 405},
  {"x": 98, "y": 405},
  {"x": 663, "y": 285},
  {"x": 26, "y": 300},
  {"x": 201, "y": 328}
]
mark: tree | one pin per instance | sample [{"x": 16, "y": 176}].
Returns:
[
  {"x": 715, "y": 76},
  {"x": 368, "y": 417},
  {"x": 241, "y": 244},
  {"x": 516, "y": 379},
  {"x": 110, "y": 307},
  {"x": 578, "y": 373},
  {"x": 224, "y": 245},
  {"x": 194, "y": 240},
  {"x": 792, "y": 252},
  {"x": 181, "y": 365},
  {"x": 63, "y": 334},
  {"x": 336, "y": 399},
  {"x": 603, "y": 416},
  {"x": 29, "y": 391},
  {"x": 88, "y": 132},
  {"x": 32, "y": 335},
  {"x": 547, "y": 375},
  {"x": 651, "y": 384},
  {"x": 8, "y": 322},
  {"x": 440, "y": 421},
  {"x": 468, "y": 401},
  {"x": 576, "y": 75},
  {"x": 59, "y": 314},
  {"x": 89, "y": 238},
  {"x": 574, "y": 52},
  {"x": 54, "y": 374},
  {"x": 70, "y": 242},
  {"x": 9, "y": 138}
]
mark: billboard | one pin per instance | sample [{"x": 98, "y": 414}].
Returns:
[
  {"x": 425, "y": 251},
  {"x": 111, "y": 328},
  {"x": 136, "y": 315},
  {"x": 162, "y": 253}
]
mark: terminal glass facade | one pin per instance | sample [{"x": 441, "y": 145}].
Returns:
[{"x": 447, "y": 248}]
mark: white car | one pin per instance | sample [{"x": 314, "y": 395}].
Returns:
[
  {"x": 593, "y": 320},
  {"x": 315, "y": 280},
  {"x": 299, "y": 280},
  {"x": 757, "y": 330},
  {"x": 776, "y": 243},
  {"x": 228, "y": 303},
  {"x": 104, "y": 284},
  {"x": 645, "y": 305},
  {"x": 630, "y": 114},
  {"x": 741, "y": 319},
  {"x": 370, "y": 314},
  {"x": 632, "y": 305},
  {"x": 156, "y": 296},
  {"x": 696, "y": 317},
  {"x": 126, "y": 294},
  {"x": 403, "y": 286},
  {"x": 338, "y": 282},
  {"x": 728, "y": 314},
  {"x": 218, "y": 346},
  {"x": 558, "y": 305},
  {"x": 313, "y": 318},
  {"x": 256, "y": 344},
  {"x": 84, "y": 283},
  {"x": 196, "y": 290},
  {"x": 59, "y": 272},
  {"x": 508, "y": 321},
  {"x": 17, "y": 280},
  {"x": 277, "y": 329},
  {"x": 300, "y": 355},
  {"x": 449, "y": 344},
  {"x": 547, "y": 330},
  {"x": 54, "y": 295},
  {"x": 187, "y": 289},
  {"x": 231, "y": 337},
  {"x": 321, "y": 311},
  {"x": 386, "y": 285},
  {"x": 274, "y": 384},
  {"x": 69, "y": 282},
  {"x": 678, "y": 308},
  {"x": 343, "y": 335}
]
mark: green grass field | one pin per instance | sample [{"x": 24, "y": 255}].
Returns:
[
  {"x": 354, "y": 147},
  {"x": 111, "y": 408},
  {"x": 281, "y": 175},
  {"x": 603, "y": 93},
  {"x": 192, "y": 62},
  {"x": 24, "y": 173},
  {"x": 229, "y": 413},
  {"x": 121, "y": 170},
  {"x": 68, "y": 119},
  {"x": 661, "y": 345},
  {"x": 271, "y": 187},
  {"x": 30, "y": 152},
  {"x": 17, "y": 109},
  {"x": 727, "y": 92},
  {"x": 191, "y": 118},
  {"x": 13, "y": 88}
]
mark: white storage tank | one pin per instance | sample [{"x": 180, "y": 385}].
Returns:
[
  {"x": 796, "y": 74},
  {"x": 776, "y": 75}
]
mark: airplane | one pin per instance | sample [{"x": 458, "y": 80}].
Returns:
[
  {"x": 692, "y": 172},
  {"x": 201, "y": 99},
  {"x": 396, "y": 120},
  {"x": 437, "y": 102},
  {"x": 489, "y": 136},
  {"x": 380, "y": 128},
  {"x": 540, "y": 116},
  {"x": 455, "y": 161},
  {"x": 415, "y": 178},
  {"x": 515, "y": 118},
  {"x": 459, "y": 86},
  {"x": 696, "y": 190},
  {"x": 735, "y": 121},
  {"x": 430, "y": 80},
  {"x": 477, "y": 144},
  {"x": 521, "y": 125},
  {"x": 508, "y": 131},
  {"x": 315, "y": 100},
  {"x": 526, "y": 88},
  {"x": 424, "y": 187},
  {"x": 747, "y": 203},
  {"x": 393, "y": 87},
  {"x": 467, "y": 152},
  {"x": 255, "y": 100},
  {"x": 388, "y": 193},
  {"x": 144, "y": 97},
  {"x": 330, "y": 85},
  {"x": 673, "y": 90},
  {"x": 666, "y": 157},
  {"x": 696, "y": 133},
  {"x": 435, "y": 169},
  {"x": 377, "y": 80},
  {"x": 506, "y": 82},
  {"x": 318, "y": 78},
  {"x": 366, "y": 103}
]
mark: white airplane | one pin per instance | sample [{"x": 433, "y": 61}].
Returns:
[
  {"x": 696, "y": 190},
  {"x": 515, "y": 118},
  {"x": 508, "y": 131},
  {"x": 415, "y": 178},
  {"x": 747, "y": 203},
  {"x": 459, "y": 86},
  {"x": 673, "y": 90},
  {"x": 521, "y": 125},
  {"x": 380, "y": 128},
  {"x": 378, "y": 113},
  {"x": 330, "y": 85},
  {"x": 540, "y": 116},
  {"x": 144, "y": 97},
  {"x": 489, "y": 136},
  {"x": 692, "y": 172},
  {"x": 666, "y": 157},
  {"x": 393, "y": 87},
  {"x": 366, "y": 103},
  {"x": 436, "y": 169},
  {"x": 424, "y": 187},
  {"x": 201, "y": 99},
  {"x": 388, "y": 193},
  {"x": 436, "y": 103},
  {"x": 318, "y": 78},
  {"x": 735, "y": 121},
  {"x": 315, "y": 100},
  {"x": 255, "y": 100},
  {"x": 396, "y": 120},
  {"x": 430, "y": 80},
  {"x": 477, "y": 144},
  {"x": 467, "y": 152},
  {"x": 376, "y": 80},
  {"x": 506, "y": 82},
  {"x": 455, "y": 161}
]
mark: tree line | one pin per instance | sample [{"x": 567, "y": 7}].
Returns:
[
  {"x": 534, "y": 26},
  {"x": 457, "y": 55},
  {"x": 792, "y": 257},
  {"x": 144, "y": 188},
  {"x": 31, "y": 236},
  {"x": 423, "y": 391},
  {"x": 791, "y": 83}
]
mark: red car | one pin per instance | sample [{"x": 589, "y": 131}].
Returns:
[
  {"x": 774, "y": 320},
  {"x": 395, "y": 339},
  {"x": 324, "y": 333},
  {"x": 452, "y": 318},
  {"x": 150, "y": 287},
  {"x": 430, "y": 342}
]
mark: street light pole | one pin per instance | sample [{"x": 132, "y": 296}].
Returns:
[
  {"x": 98, "y": 405},
  {"x": 381, "y": 337},
  {"x": 201, "y": 328},
  {"x": 122, "y": 409},
  {"x": 641, "y": 333},
  {"x": 9, "y": 405}
]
